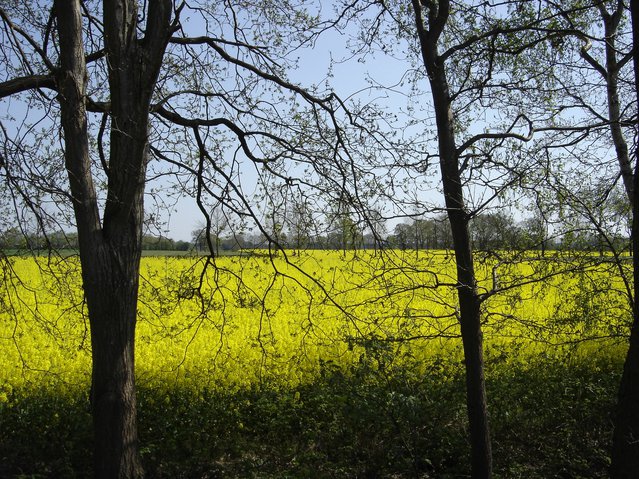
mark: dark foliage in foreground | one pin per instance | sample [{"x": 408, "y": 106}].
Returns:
[{"x": 550, "y": 420}]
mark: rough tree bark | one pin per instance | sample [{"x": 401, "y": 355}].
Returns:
[
  {"x": 429, "y": 31},
  {"x": 110, "y": 249}
]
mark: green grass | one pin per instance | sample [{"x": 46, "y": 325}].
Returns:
[{"x": 549, "y": 419}]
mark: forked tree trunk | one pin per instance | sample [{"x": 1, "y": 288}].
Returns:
[
  {"x": 625, "y": 446},
  {"x": 109, "y": 271},
  {"x": 110, "y": 248},
  {"x": 469, "y": 300}
]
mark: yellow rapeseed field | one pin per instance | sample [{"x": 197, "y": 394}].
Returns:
[{"x": 241, "y": 320}]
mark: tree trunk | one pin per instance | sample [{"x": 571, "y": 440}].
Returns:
[
  {"x": 611, "y": 24},
  {"x": 469, "y": 308},
  {"x": 109, "y": 271},
  {"x": 469, "y": 300},
  {"x": 110, "y": 249},
  {"x": 625, "y": 445},
  {"x": 111, "y": 286}
]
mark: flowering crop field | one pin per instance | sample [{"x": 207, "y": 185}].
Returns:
[
  {"x": 279, "y": 319},
  {"x": 321, "y": 364}
]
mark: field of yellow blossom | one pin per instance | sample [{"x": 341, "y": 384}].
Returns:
[{"x": 320, "y": 362}]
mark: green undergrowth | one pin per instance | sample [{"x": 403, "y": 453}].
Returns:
[{"x": 550, "y": 418}]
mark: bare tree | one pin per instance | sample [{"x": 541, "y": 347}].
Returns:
[{"x": 300, "y": 222}]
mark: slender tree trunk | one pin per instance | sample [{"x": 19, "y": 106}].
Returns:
[
  {"x": 611, "y": 26},
  {"x": 472, "y": 338},
  {"x": 610, "y": 74},
  {"x": 469, "y": 300},
  {"x": 469, "y": 316},
  {"x": 625, "y": 446}
]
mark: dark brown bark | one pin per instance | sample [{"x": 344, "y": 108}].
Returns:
[
  {"x": 625, "y": 447},
  {"x": 469, "y": 300},
  {"x": 109, "y": 273},
  {"x": 110, "y": 250},
  {"x": 111, "y": 291},
  {"x": 18, "y": 85}
]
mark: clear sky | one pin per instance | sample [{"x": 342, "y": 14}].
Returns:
[{"x": 349, "y": 78}]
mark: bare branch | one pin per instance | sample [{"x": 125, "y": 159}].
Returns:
[
  {"x": 21, "y": 84},
  {"x": 35, "y": 45},
  {"x": 501, "y": 136}
]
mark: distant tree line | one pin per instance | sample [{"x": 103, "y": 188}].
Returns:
[
  {"x": 16, "y": 239},
  {"x": 489, "y": 231},
  {"x": 499, "y": 231}
]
